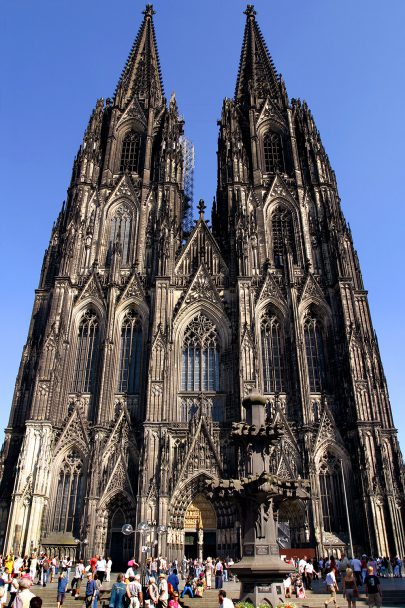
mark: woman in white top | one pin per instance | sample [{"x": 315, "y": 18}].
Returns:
[{"x": 108, "y": 570}]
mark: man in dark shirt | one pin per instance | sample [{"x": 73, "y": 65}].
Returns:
[{"x": 373, "y": 589}]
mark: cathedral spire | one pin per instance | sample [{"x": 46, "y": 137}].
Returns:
[
  {"x": 141, "y": 75},
  {"x": 257, "y": 74}
]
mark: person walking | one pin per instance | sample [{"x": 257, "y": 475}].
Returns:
[
  {"x": 77, "y": 579},
  {"x": 350, "y": 588},
  {"x": 118, "y": 592},
  {"x": 91, "y": 589},
  {"x": 61, "y": 588},
  {"x": 373, "y": 588},
  {"x": 332, "y": 586}
]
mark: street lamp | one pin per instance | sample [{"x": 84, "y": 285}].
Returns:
[{"x": 238, "y": 528}]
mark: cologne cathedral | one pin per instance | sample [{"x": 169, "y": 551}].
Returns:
[{"x": 145, "y": 338}]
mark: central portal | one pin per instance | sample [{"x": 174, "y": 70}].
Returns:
[{"x": 200, "y": 529}]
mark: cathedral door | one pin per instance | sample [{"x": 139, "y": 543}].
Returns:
[
  {"x": 200, "y": 516},
  {"x": 118, "y": 543}
]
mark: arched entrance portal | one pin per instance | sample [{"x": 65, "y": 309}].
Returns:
[
  {"x": 120, "y": 546},
  {"x": 200, "y": 529},
  {"x": 292, "y": 525}
]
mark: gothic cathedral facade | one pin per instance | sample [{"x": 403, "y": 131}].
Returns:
[{"x": 144, "y": 339}]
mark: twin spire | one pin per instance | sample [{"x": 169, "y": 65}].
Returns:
[
  {"x": 142, "y": 76},
  {"x": 256, "y": 68}
]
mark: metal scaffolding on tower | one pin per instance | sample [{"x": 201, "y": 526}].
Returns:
[{"x": 188, "y": 184}]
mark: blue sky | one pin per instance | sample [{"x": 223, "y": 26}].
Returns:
[{"x": 345, "y": 58}]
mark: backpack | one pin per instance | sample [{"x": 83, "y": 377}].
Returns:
[{"x": 45, "y": 565}]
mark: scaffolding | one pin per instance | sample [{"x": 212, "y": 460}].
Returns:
[{"x": 188, "y": 184}]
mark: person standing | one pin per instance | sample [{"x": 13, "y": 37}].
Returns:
[
  {"x": 218, "y": 574},
  {"x": 134, "y": 592},
  {"x": 33, "y": 566},
  {"x": 224, "y": 602},
  {"x": 173, "y": 580},
  {"x": 332, "y": 587},
  {"x": 24, "y": 594},
  {"x": 108, "y": 570},
  {"x": 152, "y": 593},
  {"x": 356, "y": 567},
  {"x": 163, "y": 591},
  {"x": 373, "y": 588},
  {"x": 100, "y": 568},
  {"x": 302, "y": 564},
  {"x": 309, "y": 573}
]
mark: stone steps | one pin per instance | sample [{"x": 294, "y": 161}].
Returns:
[{"x": 392, "y": 598}]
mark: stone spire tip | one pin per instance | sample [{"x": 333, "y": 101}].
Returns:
[
  {"x": 149, "y": 12},
  {"x": 250, "y": 11}
]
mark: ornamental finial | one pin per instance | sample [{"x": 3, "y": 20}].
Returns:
[
  {"x": 250, "y": 11},
  {"x": 149, "y": 12},
  {"x": 201, "y": 208}
]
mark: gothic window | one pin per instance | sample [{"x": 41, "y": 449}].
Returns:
[
  {"x": 68, "y": 495},
  {"x": 331, "y": 487},
  {"x": 200, "y": 357},
  {"x": 130, "y": 154},
  {"x": 272, "y": 356},
  {"x": 315, "y": 353},
  {"x": 282, "y": 226},
  {"x": 273, "y": 153},
  {"x": 87, "y": 351},
  {"x": 130, "y": 354},
  {"x": 120, "y": 231}
]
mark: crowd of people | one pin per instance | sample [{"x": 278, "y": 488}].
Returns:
[
  {"x": 354, "y": 575},
  {"x": 158, "y": 584}
]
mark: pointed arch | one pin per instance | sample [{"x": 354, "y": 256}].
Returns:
[
  {"x": 314, "y": 341},
  {"x": 121, "y": 226},
  {"x": 87, "y": 350},
  {"x": 200, "y": 356},
  {"x": 131, "y": 152},
  {"x": 130, "y": 353},
  {"x": 68, "y": 493},
  {"x": 272, "y": 342},
  {"x": 283, "y": 235},
  {"x": 273, "y": 153}
]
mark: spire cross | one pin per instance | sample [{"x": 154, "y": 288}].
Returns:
[
  {"x": 149, "y": 12},
  {"x": 250, "y": 11},
  {"x": 201, "y": 208}
]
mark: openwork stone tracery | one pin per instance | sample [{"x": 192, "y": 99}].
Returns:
[{"x": 147, "y": 333}]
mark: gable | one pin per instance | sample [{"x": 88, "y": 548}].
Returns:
[{"x": 201, "y": 247}]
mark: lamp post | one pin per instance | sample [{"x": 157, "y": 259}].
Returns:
[
  {"x": 80, "y": 544},
  {"x": 347, "y": 508},
  {"x": 143, "y": 528},
  {"x": 238, "y": 528}
]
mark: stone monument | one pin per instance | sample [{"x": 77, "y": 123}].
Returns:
[{"x": 258, "y": 493}]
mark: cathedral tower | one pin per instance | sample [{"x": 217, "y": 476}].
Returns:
[{"x": 144, "y": 339}]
